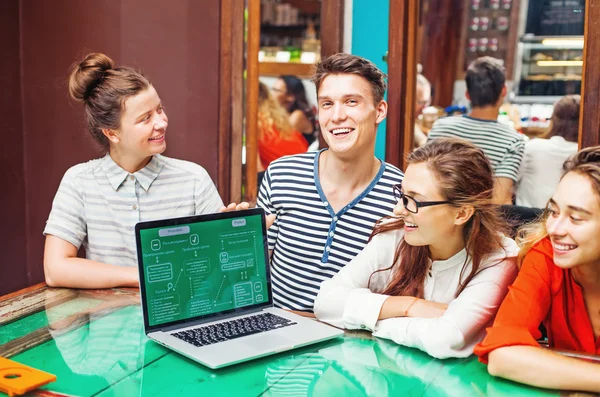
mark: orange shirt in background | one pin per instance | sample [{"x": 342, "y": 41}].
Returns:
[
  {"x": 272, "y": 146},
  {"x": 542, "y": 292}
]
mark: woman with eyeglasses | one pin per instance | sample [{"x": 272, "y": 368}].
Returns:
[
  {"x": 558, "y": 285},
  {"x": 433, "y": 276}
]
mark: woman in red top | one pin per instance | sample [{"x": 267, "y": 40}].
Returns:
[
  {"x": 276, "y": 137},
  {"x": 559, "y": 285}
]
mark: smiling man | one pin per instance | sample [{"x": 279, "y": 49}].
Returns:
[{"x": 326, "y": 203}]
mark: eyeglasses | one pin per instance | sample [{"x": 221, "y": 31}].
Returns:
[
  {"x": 278, "y": 90},
  {"x": 411, "y": 204}
]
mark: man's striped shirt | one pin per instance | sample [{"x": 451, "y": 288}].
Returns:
[
  {"x": 98, "y": 203},
  {"x": 503, "y": 146},
  {"x": 310, "y": 242}
]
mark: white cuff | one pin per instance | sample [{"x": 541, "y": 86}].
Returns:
[
  {"x": 362, "y": 309},
  {"x": 395, "y": 329}
]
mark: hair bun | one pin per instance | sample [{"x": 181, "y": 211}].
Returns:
[{"x": 87, "y": 74}]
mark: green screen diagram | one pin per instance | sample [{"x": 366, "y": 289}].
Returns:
[{"x": 202, "y": 268}]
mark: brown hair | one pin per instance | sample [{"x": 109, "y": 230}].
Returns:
[
  {"x": 485, "y": 80},
  {"x": 103, "y": 90},
  {"x": 465, "y": 177},
  {"x": 271, "y": 115},
  {"x": 351, "y": 64},
  {"x": 565, "y": 118},
  {"x": 587, "y": 163}
]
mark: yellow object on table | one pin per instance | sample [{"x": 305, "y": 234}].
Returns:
[{"x": 17, "y": 379}]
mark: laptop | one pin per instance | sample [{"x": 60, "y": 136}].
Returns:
[{"x": 206, "y": 292}]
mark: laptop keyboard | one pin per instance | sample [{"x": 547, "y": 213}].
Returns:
[{"x": 221, "y": 332}]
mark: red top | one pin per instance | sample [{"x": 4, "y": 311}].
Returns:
[
  {"x": 541, "y": 292},
  {"x": 271, "y": 146}
]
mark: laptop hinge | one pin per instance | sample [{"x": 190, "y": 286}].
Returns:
[{"x": 213, "y": 319}]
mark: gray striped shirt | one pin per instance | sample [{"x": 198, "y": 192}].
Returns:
[
  {"x": 502, "y": 144},
  {"x": 98, "y": 203}
]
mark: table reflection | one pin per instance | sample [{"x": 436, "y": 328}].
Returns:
[
  {"x": 365, "y": 366},
  {"x": 94, "y": 342}
]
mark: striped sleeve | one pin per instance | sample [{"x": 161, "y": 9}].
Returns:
[
  {"x": 511, "y": 161},
  {"x": 264, "y": 202},
  {"x": 67, "y": 219}
]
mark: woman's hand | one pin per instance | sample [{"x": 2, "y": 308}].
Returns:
[
  {"x": 409, "y": 306},
  {"x": 426, "y": 309}
]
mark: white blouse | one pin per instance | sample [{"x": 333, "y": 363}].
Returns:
[{"x": 346, "y": 301}]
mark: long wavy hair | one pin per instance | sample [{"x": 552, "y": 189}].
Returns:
[
  {"x": 465, "y": 178},
  {"x": 587, "y": 163},
  {"x": 565, "y": 118},
  {"x": 271, "y": 115},
  {"x": 295, "y": 87}
]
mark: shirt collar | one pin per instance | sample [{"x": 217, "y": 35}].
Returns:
[
  {"x": 117, "y": 175},
  {"x": 149, "y": 173},
  {"x": 457, "y": 259}
]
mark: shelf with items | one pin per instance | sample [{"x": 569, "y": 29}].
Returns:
[
  {"x": 549, "y": 66},
  {"x": 285, "y": 28},
  {"x": 275, "y": 69},
  {"x": 287, "y": 22},
  {"x": 289, "y": 40},
  {"x": 490, "y": 29}
]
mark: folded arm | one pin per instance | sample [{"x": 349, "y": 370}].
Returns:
[{"x": 462, "y": 325}]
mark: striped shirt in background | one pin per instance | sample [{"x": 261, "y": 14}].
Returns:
[
  {"x": 310, "y": 242},
  {"x": 502, "y": 144},
  {"x": 98, "y": 203}
]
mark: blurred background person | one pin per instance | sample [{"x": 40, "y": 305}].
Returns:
[
  {"x": 422, "y": 100},
  {"x": 276, "y": 136},
  {"x": 504, "y": 146},
  {"x": 543, "y": 159},
  {"x": 290, "y": 93}
]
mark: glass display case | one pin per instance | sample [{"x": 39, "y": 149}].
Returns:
[{"x": 550, "y": 67}]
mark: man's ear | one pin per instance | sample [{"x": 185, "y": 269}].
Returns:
[
  {"x": 464, "y": 214},
  {"x": 468, "y": 96},
  {"x": 382, "y": 108},
  {"x": 111, "y": 135}
]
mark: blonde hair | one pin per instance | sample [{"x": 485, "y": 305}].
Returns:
[
  {"x": 272, "y": 116},
  {"x": 587, "y": 163}
]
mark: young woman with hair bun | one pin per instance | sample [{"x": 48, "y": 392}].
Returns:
[
  {"x": 432, "y": 276},
  {"x": 99, "y": 202}
]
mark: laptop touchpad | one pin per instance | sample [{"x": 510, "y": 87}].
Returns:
[{"x": 268, "y": 342}]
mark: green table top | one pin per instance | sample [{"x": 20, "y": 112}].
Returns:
[{"x": 94, "y": 342}]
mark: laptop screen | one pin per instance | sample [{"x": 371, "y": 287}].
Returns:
[{"x": 199, "y": 266}]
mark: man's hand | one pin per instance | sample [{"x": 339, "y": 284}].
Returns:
[
  {"x": 235, "y": 207},
  {"x": 270, "y": 219}
]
